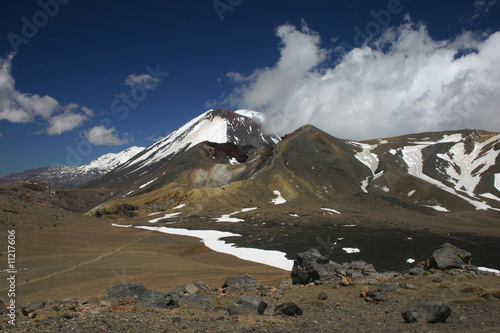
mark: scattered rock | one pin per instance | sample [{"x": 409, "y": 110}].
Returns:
[
  {"x": 322, "y": 296},
  {"x": 448, "y": 256},
  {"x": 155, "y": 299},
  {"x": 345, "y": 281},
  {"x": 284, "y": 284},
  {"x": 240, "y": 283},
  {"x": 127, "y": 304},
  {"x": 31, "y": 308},
  {"x": 197, "y": 300},
  {"x": 377, "y": 296},
  {"x": 191, "y": 288},
  {"x": 437, "y": 279},
  {"x": 426, "y": 312},
  {"x": 247, "y": 304},
  {"x": 288, "y": 309},
  {"x": 133, "y": 290},
  {"x": 144, "y": 297},
  {"x": 387, "y": 287}
]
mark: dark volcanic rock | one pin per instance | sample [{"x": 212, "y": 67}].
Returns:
[
  {"x": 134, "y": 290},
  {"x": 241, "y": 283},
  {"x": 144, "y": 297},
  {"x": 311, "y": 266},
  {"x": 448, "y": 256},
  {"x": 247, "y": 304},
  {"x": 288, "y": 309},
  {"x": 155, "y": 299},
  {"x": 426, "y": 312}
]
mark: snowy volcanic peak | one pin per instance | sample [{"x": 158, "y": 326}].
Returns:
[
  {"x": 257, "y": 116},
  {"x": 110, "y": 161},
  {"x": 217, "y": 126}
]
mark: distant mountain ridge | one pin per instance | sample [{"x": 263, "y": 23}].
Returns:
[{"x": 64, "y": 176}]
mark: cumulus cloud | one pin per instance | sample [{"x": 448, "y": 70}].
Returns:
[
  {"x": 68, "y": 120},
  {"x": 145, "y": 80},
  {"x": 402, "y": 82},
  {"x": 17, "y": 107},
  {"x": 102, "y": 136}
]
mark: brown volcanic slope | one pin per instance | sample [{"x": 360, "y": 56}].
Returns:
[{"x": 309, "y": 167}]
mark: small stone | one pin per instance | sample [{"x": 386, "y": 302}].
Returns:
[
  {"x": 190, "y": 288},
  {"x": 462, "y": 318},
  {"x": 322, "y": 296},
  {"x": 345, "y": 281}
]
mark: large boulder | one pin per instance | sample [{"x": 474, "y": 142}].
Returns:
[
  {"x": 311, "y": 266},
  {"x": 426, "y": 312},
  {"x": 247, "y": 305},
  {"x": 448, "y": 256}
]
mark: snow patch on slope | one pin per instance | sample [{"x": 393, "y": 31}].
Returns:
[
  {"x": 412, "y": 155},
  {"x": 465, "y": 170},
  {"x": 497, "y": 181},
  {"x": 212, "y": 240},
  {"x": 279, "y": 200}
]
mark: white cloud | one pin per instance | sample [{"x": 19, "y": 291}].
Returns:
[
  {"x": 145, "y": 80},
  {"x": 102, "y": 136},
  {"x": 17, "y": 107},
  {"x": 68, "y": 120},
  {"x": 400, "y": 83}
]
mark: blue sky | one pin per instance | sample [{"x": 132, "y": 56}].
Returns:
[{"x": 81, "y": 78}]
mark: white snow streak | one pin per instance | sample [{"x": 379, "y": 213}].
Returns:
[
  {"x": 167, "y": 216},
  {"x": 438, "y": 208},
  {"x": 331, "y": 210},
  {"x": 351, "y": 250}
]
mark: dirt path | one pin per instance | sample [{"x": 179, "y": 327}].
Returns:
[{"x": 82, "y": 264}]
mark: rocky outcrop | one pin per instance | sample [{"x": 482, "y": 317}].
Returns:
[
  {"x": 247, "y": 305},
  {"x": 311, "y": 266}
]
